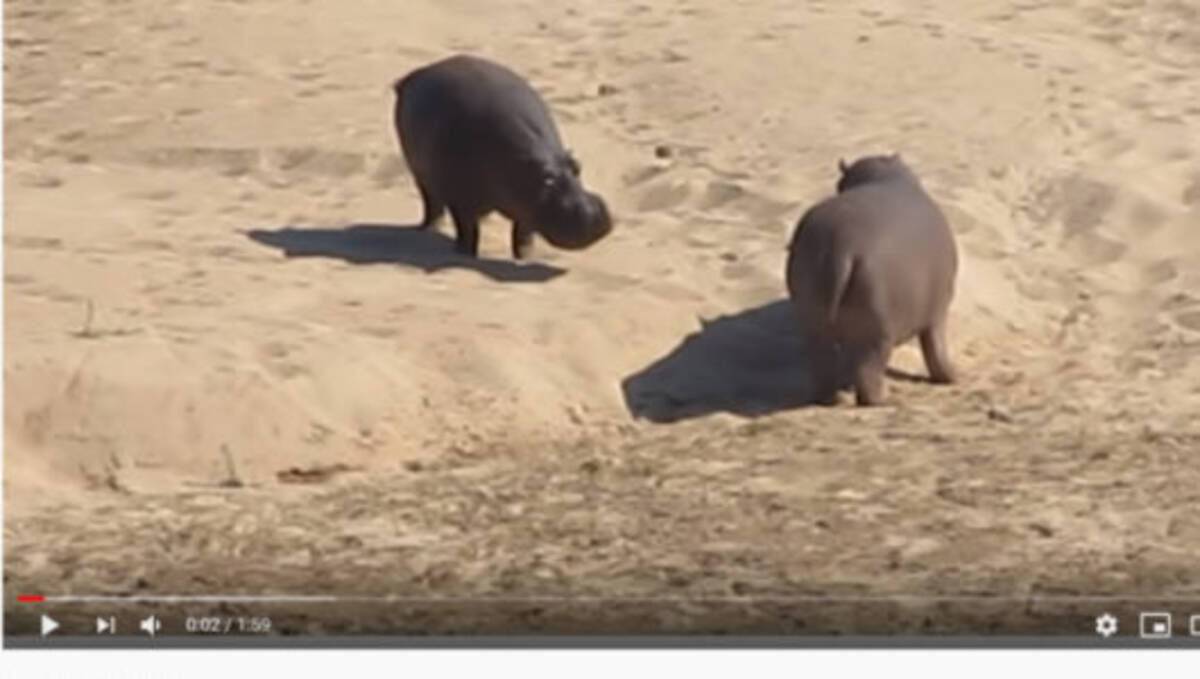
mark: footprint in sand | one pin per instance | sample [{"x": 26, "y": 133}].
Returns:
[
  {"x": 41, "y": 180},
  {"x": 1145, "y": 217},
  {"x": 150, "y": 245},
  {"x": 155, "y": 195},
  {"x": 984, "y": 44},
  {"x": 1085, "y": 206},
  {"x": 274, "y": 355},
  {"x": 309, "y": 160},
  {"x": 225, "y": 161},
  {"x": 1097, "y": 250},
  {"x": 235, "y": 162},
  {"x": 33, "y": 242},
  {"x": 1082, "y": 203},
  {"x": 1184, "y": 309},
  {"x": 306, "y": 76},
  {"x": 664, "y": 195},
  {"x": 1189, "y": 320},
  {"x": 1160, "y": 272},
  {"x": 755, "y": 207},
  {"x": 1191, "y": 194},
  {"x": 720, "y": 193}
]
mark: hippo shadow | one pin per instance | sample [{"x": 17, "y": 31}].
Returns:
[
  {"x": 751, "y": 364},
  {"x": 425, "y": 249}
]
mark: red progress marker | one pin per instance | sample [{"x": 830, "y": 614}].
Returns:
[{"x": 30, "y": 598}]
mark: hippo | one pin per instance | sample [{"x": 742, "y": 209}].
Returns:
[
  {"x": 868, "y": 269},
  {"x": 478, "y": 139}
]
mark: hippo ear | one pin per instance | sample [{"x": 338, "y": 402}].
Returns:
[
  {"x": 842, "y": 165},
  {"x": 896, "y": 155},
  {"x": 573, "y": 164}
]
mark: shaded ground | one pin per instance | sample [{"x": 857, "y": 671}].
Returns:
[{"x": 650, "y": 535}]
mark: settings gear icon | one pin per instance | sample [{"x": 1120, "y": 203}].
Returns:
[{"x": 1106, "y": 625}]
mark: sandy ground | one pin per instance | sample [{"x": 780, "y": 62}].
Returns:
[{"x": 229, "y": 368}]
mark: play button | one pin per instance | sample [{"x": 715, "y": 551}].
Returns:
[{"x": 48, "y": 625}]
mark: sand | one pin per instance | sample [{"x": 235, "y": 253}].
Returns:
[{"x": 228, "y": 361}]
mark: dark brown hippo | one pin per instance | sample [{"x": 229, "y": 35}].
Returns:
[
  {"x": 478, "y": 139},
  {"x": 869, "y": 269}
]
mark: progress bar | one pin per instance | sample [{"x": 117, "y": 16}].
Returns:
[{"x": 242, "y": 598}]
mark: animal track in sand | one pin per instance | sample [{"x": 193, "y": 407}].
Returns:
[
  {"x": 1191, "y": 194},
  {"x": 302, "y": 161},
  {"x": 33, "y": 242},
  {"x": 719, "y": 193},
  {"x": 664, "y": 195},
  {"x": 1080, "y": 202},
  {"x": 41, "y": 180},
  {"x": 1184, "y": 308},
  {"x": 1189, "y": 320},
  {"x": 1160, "y": 272},
  {"x": 274, "y": 357}
]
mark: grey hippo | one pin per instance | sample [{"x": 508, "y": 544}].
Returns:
[
  {"x": 869, "y": 269},
  {"x": 478, "y": 139}
]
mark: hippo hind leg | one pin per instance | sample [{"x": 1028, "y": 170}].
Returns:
[
  {"x": 466, "y": 228},
  {"x": 433, "y": 207},
  {"x": 828, "y": 373},
  {"x": 869, "y": 372},
  {"x": 937, "y": 354},
  {"x": 522, "y": 241},
  {"x": 822, "y": 356}
]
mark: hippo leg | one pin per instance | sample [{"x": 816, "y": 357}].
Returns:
[
  {"x": 522, "y": 240},
  {"x": 826, "y": 370},
  {"x": 936, "y": 353},
  {"x": 823, "y": 357},
  {"x": 434, "y": 208},
  {"x": 466, "y": 228},
  {"x": 868, "y": 375}
]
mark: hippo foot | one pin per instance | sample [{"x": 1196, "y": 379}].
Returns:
[
  {"x": 828, "y": 400},
  {"x": 870, "y": 394}
]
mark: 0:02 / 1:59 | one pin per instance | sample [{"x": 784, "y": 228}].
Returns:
[{"x": 227, "y": 625}]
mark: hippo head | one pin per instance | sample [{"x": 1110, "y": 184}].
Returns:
[
  {"x": 564, "y": 213},
  {"x": 870, "y": 169}
]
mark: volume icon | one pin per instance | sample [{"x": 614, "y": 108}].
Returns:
[{"x": 150, "y": 625}]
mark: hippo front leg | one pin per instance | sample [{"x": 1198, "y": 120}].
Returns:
[
  {"x": 466, "y": 227},
  {"x": 522, "y": 240}
]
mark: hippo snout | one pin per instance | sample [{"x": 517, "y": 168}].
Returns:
[{"x": 581, "y": 224}]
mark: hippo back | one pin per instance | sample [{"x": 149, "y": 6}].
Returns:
[{"x": 466, "y": 104}]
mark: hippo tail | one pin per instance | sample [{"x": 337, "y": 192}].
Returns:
[{"x": 838, "y": 275}]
